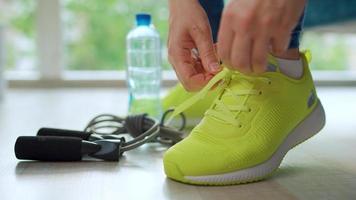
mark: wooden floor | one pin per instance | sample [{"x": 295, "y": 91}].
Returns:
[{"x": 322, "y": 168}]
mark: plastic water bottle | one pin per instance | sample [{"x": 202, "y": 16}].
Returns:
[{"x": 144, "y": 67}]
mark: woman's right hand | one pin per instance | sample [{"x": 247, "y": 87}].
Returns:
[{"x": 189, "y": 29}]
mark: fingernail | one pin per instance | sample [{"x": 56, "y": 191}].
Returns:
[{"x": 214, "y": 67}]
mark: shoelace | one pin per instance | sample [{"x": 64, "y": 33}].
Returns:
[{"x": 227, "y": 111}]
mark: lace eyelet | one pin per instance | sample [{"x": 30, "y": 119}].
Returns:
[
  {"x": 269, "y": 82},
  {"x": 240, "y": 126},
  {"x": 249, "y": 110},
  {"x": 260, "y": 93}
]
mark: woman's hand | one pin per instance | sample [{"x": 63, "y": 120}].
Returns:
[
  {"x": 189, "y": 29},
  {"x": 250, "y": 29}
]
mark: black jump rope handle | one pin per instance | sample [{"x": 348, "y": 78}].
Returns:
[
  {"x": 53, "y": 148},
  {"x": 48, "y": 148},
  {"x": 63, "y": 132}
]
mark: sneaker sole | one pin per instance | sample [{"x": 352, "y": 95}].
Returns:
[{"x": 310, "y": 126}]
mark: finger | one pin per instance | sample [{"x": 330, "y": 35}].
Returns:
[
  {"x": 259, "y": 54},
  {"x": 201, "y": 35},
  {"x": 216, "y": 50},
  {"x": 225, "y": 40},
  {"x": 199, "y": 67},
  {"x": 191, "y": 80},
  {"x": 188, "y": 75},
  {"x": 240, "y": 57}
]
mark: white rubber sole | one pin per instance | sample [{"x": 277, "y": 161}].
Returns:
[{"x": 306, "y": 129}]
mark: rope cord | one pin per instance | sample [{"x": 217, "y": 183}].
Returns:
[{"x": 140, "y": 128}]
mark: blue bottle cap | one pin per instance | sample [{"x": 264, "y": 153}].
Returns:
[{"x": 143, "y": 19}]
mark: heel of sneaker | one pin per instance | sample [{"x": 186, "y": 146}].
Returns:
[{"x": 309, "y": 127}]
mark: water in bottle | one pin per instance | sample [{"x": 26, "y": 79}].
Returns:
[{"x": 144, "y": 67}]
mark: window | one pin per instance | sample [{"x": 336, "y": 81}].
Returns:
[
  {"x": 17, "y": 19},
  {"x": 60, "y": 37}
]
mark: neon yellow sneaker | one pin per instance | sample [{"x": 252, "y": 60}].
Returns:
[
  {"x": 249, "y": 128},
  {"x": 195, "y": 112}
]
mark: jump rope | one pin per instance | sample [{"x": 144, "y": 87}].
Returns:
[{"x": 105, "y": 137}]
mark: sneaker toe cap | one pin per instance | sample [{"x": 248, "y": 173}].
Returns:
[{"x": 194, "y": 158}]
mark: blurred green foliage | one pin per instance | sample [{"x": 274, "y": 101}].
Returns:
[
  {"x": 329, "y": 52},
  {"x": 22, "y": 22},
  {"x": 95, "y": 31},
  {"x": 24, "y": 19},
  {"x": 101, "y": 29}
]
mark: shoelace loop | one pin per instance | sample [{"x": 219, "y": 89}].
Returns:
[
  {"x": 222, "y": 79},
  {"x": 228, "y": 113}
]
